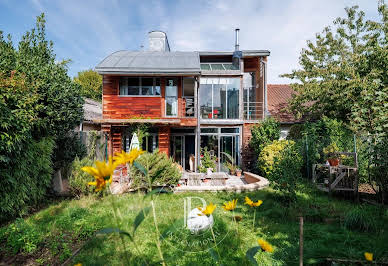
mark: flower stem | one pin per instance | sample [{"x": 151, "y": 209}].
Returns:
[
  {"x": 235, "y": 221},
  {"x": 157, "y": 234},
  {"x": 254, "y": 217},
  {"x": 215, "y": 243},
  {"x": 118, "y": 226}
]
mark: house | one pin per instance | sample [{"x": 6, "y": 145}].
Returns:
[
  {"x": 278, "y": 97},
  {"x": 92, "y": 113},
  {"x": 192, "y": 99}
]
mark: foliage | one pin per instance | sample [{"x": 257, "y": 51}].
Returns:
[
  {"x": 91, "y": 84},
  {"x": 271, "y": 155},
  {"x": 263, "y": 134},
  {"x": 70, "y": 221},
  {"x": 161, "y": 169},
  {"x": 78, "y": 179},
  {"x": 17, "y": 114},
  {"x": 67, "y": 148},
  {"x": 230, "y": 163},
  {"x": 360, "y": 219},
  {"x": 207, "y": 161},
  {"x": 25, "y": 180},
  {"x": 288, "y": 170}
]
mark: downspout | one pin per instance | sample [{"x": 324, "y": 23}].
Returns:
[
  {"x": 265, "y": 87},
  {"x": 198, "y": 146}
]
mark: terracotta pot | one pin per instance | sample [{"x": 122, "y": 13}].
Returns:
[
  {"x": 333, "y": 161},
  {"x": 232, "y": 172},
  {"x": 238, "y": 173}
]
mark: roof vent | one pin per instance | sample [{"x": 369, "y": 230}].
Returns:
[
  {"x": 158, "y": 41},
  {"x": 237, "y": 54}
]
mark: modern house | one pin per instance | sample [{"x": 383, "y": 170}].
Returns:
[{"x": 192, "y": 99}]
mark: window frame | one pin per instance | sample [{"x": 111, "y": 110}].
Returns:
[{"x": 140, "y": 87}]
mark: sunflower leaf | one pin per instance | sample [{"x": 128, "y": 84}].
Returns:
[
  {"x": 140, "y": 168},
  {"x": 155, "y": 191},
  {"x": 140, "y": 217},
  {"x": 176, "y": 226},
  {"x": 111, "y": 230},
  {"x": 214, "y": 254},
  {"x": 251, "y": 254}
]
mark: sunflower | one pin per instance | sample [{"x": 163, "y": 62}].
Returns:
[
  {"x": 230, "y": 205},
  {"x": 102, "y": 173},
  {"x": 265, "y": 246},
  {"x": 123, "y": 157},
  {"x": 208, "y": 210},
  {"x": 368, "y": 256},
  {"x": 249, "y": 202}
]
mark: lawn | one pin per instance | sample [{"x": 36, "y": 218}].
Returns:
[{"x": 53, "y": 234}]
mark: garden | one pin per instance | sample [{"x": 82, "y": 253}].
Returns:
[{"x": 341, "y": 100}]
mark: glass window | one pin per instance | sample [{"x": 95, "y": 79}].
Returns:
[
  {"x": 217, "y": 67},
  {"x": 147, "y": 86},
  {"x": 205, "y": 101},
  {"x": 188, "y": 87},
  {"x": 205, "y": 67},
  {"x": 209, "y": 130},
  {"x": 230, "y": 130},
  {"x": 123, "y": 86},
  {"x": 219, "y": 98},
  {"x": 133, "y": 86},
  {"x": 229, "y": 67},
  {"x": 157, "y": 86},
  {"x": 171, "y": 97}
]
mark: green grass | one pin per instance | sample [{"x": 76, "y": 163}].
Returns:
[{"x": 53, "y": 234}]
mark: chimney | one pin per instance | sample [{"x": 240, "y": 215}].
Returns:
[
  {"x": 158, "y": 41},
  {"x": 237, "y": 54},
  {"x": 237, "y": 45}
]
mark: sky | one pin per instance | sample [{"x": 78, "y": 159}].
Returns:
[{"x": 88, "y": 31}]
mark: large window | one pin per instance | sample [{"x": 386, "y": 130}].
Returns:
[
  {"x": 219, "y": 98},
  {"x": 171, "y": 97},
  {"x": 139, "y": 86}
]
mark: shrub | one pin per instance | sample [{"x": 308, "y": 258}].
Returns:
[
  {"x": 287, "y": 170},
  {"x": 266, "y": 160},
  {"x": 25, "y": 180},
  {"x": 207, "y": 161},
  {"x": 161, "y": 169},
  {"x": 263, "y": 134},
  {"x": 360, "y": 219},
  {"x": 78, "y": 179}
]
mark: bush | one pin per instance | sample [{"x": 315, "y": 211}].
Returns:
[
  {"x": 360, "y": 219},
  {"x": 161, "y": 169},
  {"x": 266, "y": 161},
  {"x": 25, "y": 180},
  {"x": 263, "y": 134},
  {"x": 78, "y": 179},
  {"x": 287, "y": 170}
]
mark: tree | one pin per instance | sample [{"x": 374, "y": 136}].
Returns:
[
  {"x": 91, "y": 84},
  {"x": 344, "y": 75}
]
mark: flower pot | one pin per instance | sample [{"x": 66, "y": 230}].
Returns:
[
  {"x": 238, "y": 173},
  {"x": 232, "y": 172},
  {"x": 333, "y": 161}
]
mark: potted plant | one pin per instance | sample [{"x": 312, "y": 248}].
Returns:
[
  {"x": 238, "y": 172},
  {"x": 330, "y": 152},
  {"x": 208, "y": 162},
  {"x": 231, "y": 165}
]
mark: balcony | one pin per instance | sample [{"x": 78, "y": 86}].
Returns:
[{"x": 253, "y": 109}]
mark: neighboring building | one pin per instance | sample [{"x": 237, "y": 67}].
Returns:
[
  {"x": 92, "y": 115},
  {"x": 278, "y": 96},
  {"x": 192, "y": 99}
]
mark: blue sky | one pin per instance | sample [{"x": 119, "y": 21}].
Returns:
[{"x": 87, "y": 31}]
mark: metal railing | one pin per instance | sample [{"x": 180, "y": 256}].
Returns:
[{"x": 253, "y": 110}]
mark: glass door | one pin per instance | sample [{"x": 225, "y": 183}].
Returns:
[
  {"x": 176, "y": 148},
  {"x": 228, "y": 154},
  {"x": 171, "y": 97}
]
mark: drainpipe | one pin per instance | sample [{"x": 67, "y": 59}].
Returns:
[
  {"x": 198, "y": 136},
  {"x": 265, "y": 88}
]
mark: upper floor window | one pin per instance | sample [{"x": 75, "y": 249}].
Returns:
[
  {"x": 140, "y": 86},
  {"x": 218, "y": 66}
]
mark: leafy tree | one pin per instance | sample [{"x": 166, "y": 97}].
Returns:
[
  {"x": 91, "y": 84},
  {"x": 264, "y": 133},
  {"x": 344, "y": 75}
]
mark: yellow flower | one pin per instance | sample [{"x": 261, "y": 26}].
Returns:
[
  {"x": 230, "y": 205},
  {"x": 265, "y": 246},
  {"x": 78, "y": 264},
  {"x": 251, "y": 203},
  {"x": 102, "y": 173},
  {"x": 368, "y": 256},
  {"x": 208, "y": 210},
  {"x": 123, "y": 157}
]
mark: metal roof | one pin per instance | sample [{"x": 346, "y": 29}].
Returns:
[{"x": 150, "y": 62}]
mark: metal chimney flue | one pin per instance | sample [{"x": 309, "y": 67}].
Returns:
[{"x": 237, "y": 45}]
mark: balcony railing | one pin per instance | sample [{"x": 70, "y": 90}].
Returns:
[{"x": 253, "y": 110}]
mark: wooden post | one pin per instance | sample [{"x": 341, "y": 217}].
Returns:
[{"x": 301, "y": 241}]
